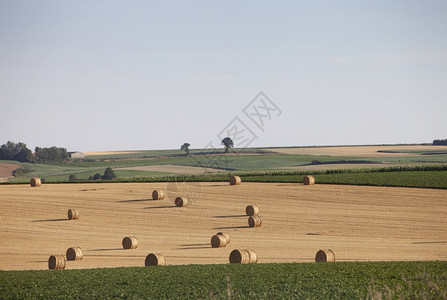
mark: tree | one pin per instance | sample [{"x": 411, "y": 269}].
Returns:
[
  {"x": 228, "y": 143},
  {"x": 185, "y": 147},
  {"x": 24, "y": 154},
  {"x": 8, "y": 151},
  {"x": 109, "y": 174},
  {"x": 13, "y": 151},
  {"x": 72, "y": 177},
  {"x": 53, "y": 154},
  {"x": 440, "y": 142},
  {"x": 97, "y": 176}
]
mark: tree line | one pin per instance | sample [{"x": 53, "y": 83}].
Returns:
[
  {"x": 20, "y": 152},
  {"x": 440, "y": 142}
]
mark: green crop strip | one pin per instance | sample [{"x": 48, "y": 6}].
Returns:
[{"x": 340, "y": 280}]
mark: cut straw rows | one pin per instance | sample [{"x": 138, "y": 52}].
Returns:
[{"x": 219, "y": 240}]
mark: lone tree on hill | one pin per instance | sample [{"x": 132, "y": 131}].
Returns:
[
  {"x": 228, "y": 143},
  {"x": 185, "y": 147}
]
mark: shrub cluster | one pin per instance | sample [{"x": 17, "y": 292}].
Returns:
[{"x": 109, "y": 174}]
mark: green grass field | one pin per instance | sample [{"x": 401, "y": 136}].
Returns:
[
  {"x": 340, "y": 280},
  {"x": 170, "y": 153}
]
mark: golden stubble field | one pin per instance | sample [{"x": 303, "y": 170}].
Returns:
[
  {"x": 357, "y": 223},
  {"x": 360, "y": 151}
]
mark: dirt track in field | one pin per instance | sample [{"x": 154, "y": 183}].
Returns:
[
  {"x": 360, "y": 151},
  {"x": 357, "y": 223}
]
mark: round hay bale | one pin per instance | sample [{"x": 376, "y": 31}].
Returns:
[
  {"x": 158, "y": 195},
  {"x": 181, "y": 201},
  {"x": 225, "y": 234},
  {"x": 253, "y": 257},
  {"x": 309, "y": 180},
  {"x": 35, "y": 182},
  {"x": 130, "y": 242},
  {"x": 218, "y": 241},
  {"x": 254, "y": 221},
  {"x": 235, "y": 180},
  {"x": 56, "y": 262},
  {"x": 325, "y": 256},
  {"x": 155, "y": 259},
  {"x": 73, "y": 214},
  {"x": 74, "y": 253},
  {"x": 239, "y": 257},
  {"x": 252, "y": 210}
]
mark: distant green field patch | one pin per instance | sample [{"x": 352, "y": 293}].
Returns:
[
  {"x": 129, "y": 174},
  {"x": 172, "y": 152}
]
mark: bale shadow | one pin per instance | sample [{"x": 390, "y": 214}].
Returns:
[
  {"x": 233, "y": 227},
  {"x": 137, "y": 200},
  {"x": 111, "y": 255},
  {"x": 109, "y": 249},
  {"x": 89, "y": 190},
  {"x": 165, "y": 206},
  {"x": 194, "y": 248},
  {"x": 230, "y": 216},
  {"x": 50, "y": 220}
]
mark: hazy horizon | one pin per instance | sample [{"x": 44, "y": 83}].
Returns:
[{"x": 150, "y": 75}]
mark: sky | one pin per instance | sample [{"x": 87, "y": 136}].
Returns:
[{"x": 139, "y": 75}]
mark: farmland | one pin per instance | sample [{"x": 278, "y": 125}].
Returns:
[
  {"x": 373, "y": 209},
  {"x": 150, "y": 165}
]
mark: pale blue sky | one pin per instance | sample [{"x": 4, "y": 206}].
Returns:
[{"x": 122, "y": 75}]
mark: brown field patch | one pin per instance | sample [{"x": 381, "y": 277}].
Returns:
[
  {"x": 173, "y": 169},
  {"x": 6, "y": 170},
  {"x": 360, "y": 151},
  {"x": 357, "y": 223}
]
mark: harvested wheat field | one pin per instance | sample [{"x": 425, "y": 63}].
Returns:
[
  {"x": 356, "y": 223},
  {"x": 360, "y": 151}
]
